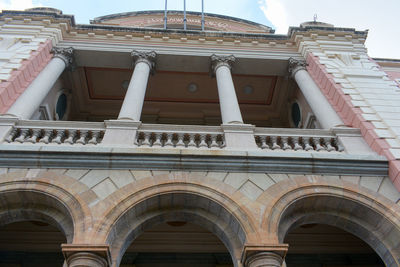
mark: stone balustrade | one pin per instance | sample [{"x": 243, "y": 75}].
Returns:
[
  {"x": 178, "y": 136},
  {"x": 46, "y": 132},
  {"x": 304, "y": 140}
]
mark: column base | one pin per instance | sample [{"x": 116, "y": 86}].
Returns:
[
  {"x": 120, "y": 133},
  {"x": 239, "y": 136}
]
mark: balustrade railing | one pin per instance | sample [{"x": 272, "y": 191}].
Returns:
[
  {"x": 172, "y": 136},
  {"x": 297, "y": 140},
  {"x": 168, "y": 136},
  {"x": 45, "y": 132}
]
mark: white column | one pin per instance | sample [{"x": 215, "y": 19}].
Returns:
[
  {"x": 33, "y": 96},
  {"x": 230, "y": 111},
  {"x": 133, "y": 102},
  {"x": 320, "y": 106}
]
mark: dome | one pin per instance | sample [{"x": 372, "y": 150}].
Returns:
[
  {"x": 316, "y": 24},
  {"x": 155, "y": 19},
  {"x": 45, "y": 9}
]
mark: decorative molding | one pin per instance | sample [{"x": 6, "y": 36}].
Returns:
[
  {"x": 65, "y": 54},
  {"x": 218, "y": 61},
  {"x": 103, "y": 157},
  {"x": 295, "y": 65},
  {"x": 88, "y": 255},
  {"x": 147, "y": 57},
  {"x": 264, "y": 254}
]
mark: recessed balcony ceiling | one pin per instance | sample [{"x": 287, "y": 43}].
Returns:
[
  {"x": 168, "y": 86},
  {"x": 98, "y": 94}
]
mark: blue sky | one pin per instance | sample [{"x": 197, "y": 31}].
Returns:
[
  {"x": 84, "y": 10},
  {"x": 379, "y": 16}
]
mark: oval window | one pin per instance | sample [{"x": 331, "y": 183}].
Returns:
[
  {"x": 296, "y": 114},
  {"x": 61, "y": 106}
]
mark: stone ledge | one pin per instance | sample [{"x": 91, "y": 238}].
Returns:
[{"x": 258, "y": 162}]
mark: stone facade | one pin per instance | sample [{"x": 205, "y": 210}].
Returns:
[{"x": 103, "y": 184}]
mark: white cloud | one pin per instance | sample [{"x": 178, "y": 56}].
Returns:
[
  {"x": 384, "y": 35},
  {"x": 16, "y": 4},
  {"x": 276, "y": 13}
]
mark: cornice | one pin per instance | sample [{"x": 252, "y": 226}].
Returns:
[
  {"x": 14, "y": 156},
  {"x": 292, "y": 30},
  {"x": 39, "y": 15},
  {"x": 111, "y": 33}
]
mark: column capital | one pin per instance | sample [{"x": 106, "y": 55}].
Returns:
[
  {"x": 147, "y": 57},
  {"x": 295, "y": 65},
  {"x": 260, "y": 255},
  {"x": 264, "y": 259},
  {"x": 66, "y": 54},
  {"x": 218, "y": 61},
  {"x": 86, "y": 255}
]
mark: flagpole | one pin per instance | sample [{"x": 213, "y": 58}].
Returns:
[
  {"x": 184, "y": 15},
  {"x": 202, "y": 15},
  {"x": 165, "y": 16}
]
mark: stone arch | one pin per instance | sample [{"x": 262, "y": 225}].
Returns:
[
  {"x": 357, "y": 210},
  {"x": 143, "y": 204},
  {"x": 49, "y": 199}
]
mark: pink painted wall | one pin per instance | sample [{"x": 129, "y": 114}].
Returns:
[
  {"x": 394, "y": 75},
  {"x": 352, "y": 115},
  {"x": 20, "y": 79}
]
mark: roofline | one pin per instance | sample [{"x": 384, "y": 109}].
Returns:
[
  {"x": 148, "y": 12},
  {"x": 268, "y": 35},
  {"x": 393, "y": 60},
  {"x": 180, "y": 31},
  {"x": 39, "y": 13},
  {"x": 330, "y": 29}
]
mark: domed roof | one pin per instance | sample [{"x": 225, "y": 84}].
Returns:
[
  {"x": 155, "y": 19},
  {"x": 44, "y": 9},
  {"x": 315, "y": 24}
]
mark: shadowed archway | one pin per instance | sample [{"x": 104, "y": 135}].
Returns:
[
  {"x": 182, "y": 207},
  {"x": 365, "y": 214}
]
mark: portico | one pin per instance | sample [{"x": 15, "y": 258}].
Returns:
[{"x": 193, "y": 148}]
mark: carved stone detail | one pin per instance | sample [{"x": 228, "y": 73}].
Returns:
[
  {"x": 218, "y": 61},
  {"x": 296, "y": 65},
  {"x": 264, "y": 259},
  {"x": 77, "y": 255},
  {"x": 88, "y": 259},
  {"x": 147, "y": 57},
  {"x": 66, "y": 54}
]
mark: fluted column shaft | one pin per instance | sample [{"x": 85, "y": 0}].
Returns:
[
  {"x": 320, "y": 106},
  {"x": 133, "y": 102},
  {"x": 229, "y": 105},
  {"x": 30, "y": 100}
]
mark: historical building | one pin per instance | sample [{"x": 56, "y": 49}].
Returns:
[{"x": 128, "y": 143}]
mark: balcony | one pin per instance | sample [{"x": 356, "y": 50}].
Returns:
[
  {"x": 63, "y": 133},
  {"x": 61, "y": 144}
]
